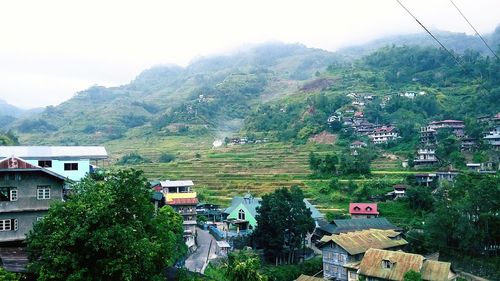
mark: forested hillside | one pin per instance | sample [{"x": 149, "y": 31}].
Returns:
[{"x": 167, "y": 100}]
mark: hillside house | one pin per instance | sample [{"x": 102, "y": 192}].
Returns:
[
  {"x": 380, "y": 264},
  {"x": 449, "y": 176},
  {"x": 180, "y": 196},
  {"x": 493, "y": 138},
  {"x": 426, "y": 157},
  {"x": 428, "y": 135},
  {"x": 398, "y": 192},
  {"x": 26, "y": 193},
  {"x": 351, "y": 225},
  {"x": 72, "y": 162},
  {"x": 457, "y": 126},
  {"x": 383, "y": 135},
  {"x": 468, "y": 144},
  {"x": 334, "y": 118},
  {"x": 243, "y": 210},
  {"x": 425, "y": 179},
  {"x": 344, "y": 249},
  {"x": 357, "y": 144},
  {"x": 363, "y": 210}
]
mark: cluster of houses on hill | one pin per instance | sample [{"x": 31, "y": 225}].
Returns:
[{"x": 31, "y": 179}]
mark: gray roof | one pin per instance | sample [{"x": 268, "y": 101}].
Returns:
[
  {"x": 348, "y": 225},
  {"x": 169, "y": 183},
  {"x": 315, "y": 214},
  {"x": 27, "y": 152}
]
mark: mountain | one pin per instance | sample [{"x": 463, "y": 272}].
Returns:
[
  {"x": 213, "y": 92},
  {"x": 458, "y": 42},
  {"x": 8, "y": 109}
]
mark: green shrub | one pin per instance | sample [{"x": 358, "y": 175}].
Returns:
[
  {"x": 166, "y": 157},
  {"x": 133, "y": 158}
]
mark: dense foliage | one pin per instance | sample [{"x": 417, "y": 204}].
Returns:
[
  {"x": 106, "y": 230},
  {"x": 283, "y": 221}
]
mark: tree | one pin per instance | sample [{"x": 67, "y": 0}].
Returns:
[
  {"x": 412, "y": 275},
  {"x": 244, "y": 266},
  {"x": 283, "y": 220},
  {"x": 106, "y": 230},
  {"x": 420, "y": 198},
  {"x": 8, "y": 276}
]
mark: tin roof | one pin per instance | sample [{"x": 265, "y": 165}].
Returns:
[
  {"x": 400, "y": 263},
  {"x": 363, "y": 209},
  {"x": 350, "y": 225},
  {"x": 169, "y": 183},
  {"x": 360, "y": 241},
  {"x": 91, "y": 152},
  {"x": 16, "y": 164}
]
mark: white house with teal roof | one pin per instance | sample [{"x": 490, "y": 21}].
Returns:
[
  {"x": 243, "y": 211},
  {"x": 72, "y": 162}
]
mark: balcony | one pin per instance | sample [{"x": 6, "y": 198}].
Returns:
[{"x": 181, "y": 195}]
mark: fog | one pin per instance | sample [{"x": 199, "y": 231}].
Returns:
[{"x": 49, "y": 50}]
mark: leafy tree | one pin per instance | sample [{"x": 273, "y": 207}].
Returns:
[
  {"x": 283, "y": 220},
  {"x": 166, "y": 157},
  {"x": 420, "y": 198},
  {"x": 412, "y": 275},
  {"x": 244, "y": 266},
  {"x": 8, "y": 276},
  {"x": 106, "y": 230},
  {"x": 133, "y": 158}
]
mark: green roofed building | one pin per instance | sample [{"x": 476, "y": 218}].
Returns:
[{"x": 243, "y": 211}]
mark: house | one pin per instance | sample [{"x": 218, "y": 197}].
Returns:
[
  {"x": 211, "y": 211},
  {"x": 180, "y": 196},
  {"x": 383, "y": 135},
  {"x": 425, "y": 179},
  {"x": 426, "y": 157},
  {"x": 351, "y": 225},
  {"x": 473, "y": 167},
  {"x": 468, "y": 144},
  {"x": 26, "y": 193},
  {"x": 72, "y": 162},
  {"x": 457, "y": 126},
  {"x": 428, "y": 135},
  {"x": 493, "y": 138},
  {"x": 398, "y": 192},
  {"x": 378, "y": 264},
  {"x": 334, "y": 118},
  {"x": 363, "y": 210},
  {"x": 243, "y": 210},
  {"x": 347, "y": 248},
  {"x": 222, "y": 248},
  {"x": 357, "y": 144},
  {"x": 358, "y": 114},
  {"x": 449, "y": 176}
]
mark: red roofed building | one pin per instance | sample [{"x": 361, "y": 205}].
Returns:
[
  {"x": 363, "y": 210},
  {"x": 383, "y": 135}
]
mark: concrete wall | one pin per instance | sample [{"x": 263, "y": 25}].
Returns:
[
  {"x": 27, "y": 207},
  {"x": 58, "y": 167}
]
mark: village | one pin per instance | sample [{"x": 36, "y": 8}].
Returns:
[{"x": 362, "y": 246}]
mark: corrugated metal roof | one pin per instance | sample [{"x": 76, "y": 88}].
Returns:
[
  {"x": 435, "y": 270},
  {"x": 360, "y": 241},
  {"x": 349, "y": 225},
  {"x": 91, "y": 152},
  {"x": 169, "y": 183},
  {"x": 371, "y": 265}
]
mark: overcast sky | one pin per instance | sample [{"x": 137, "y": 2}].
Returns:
[{"x": 49, "y": 50}]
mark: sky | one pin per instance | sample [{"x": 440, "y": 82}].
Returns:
[{"x": 51, "y": 49}]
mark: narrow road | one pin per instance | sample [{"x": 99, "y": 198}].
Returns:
[{"x": 196, "y": 261}]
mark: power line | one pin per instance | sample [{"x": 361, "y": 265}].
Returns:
[{"x": 477, "y": 33}]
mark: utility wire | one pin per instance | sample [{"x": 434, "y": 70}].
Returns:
[
  {"x": 477, "y": 32},
  {"x": 434, "y": 37}
]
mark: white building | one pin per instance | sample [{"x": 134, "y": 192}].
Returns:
[{"x": 383, "y": 135}]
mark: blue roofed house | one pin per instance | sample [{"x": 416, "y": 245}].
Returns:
[{"x": 72, "y": 162}]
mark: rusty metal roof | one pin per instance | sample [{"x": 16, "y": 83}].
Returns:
[
  {"x": 400, "y": 262},
  {"x": 360, "y": 241}
]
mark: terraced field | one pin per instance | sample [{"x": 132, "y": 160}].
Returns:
[{"x": 221, "y": 173}]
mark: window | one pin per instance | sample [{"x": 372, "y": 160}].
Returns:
[
  {"x": 241, "y": 214},
  {"x": 341, "y": 258},
  {"x": 386, "y": 264},
  {"x": 70, "y": 166},
  {"x": 43, "y": 192},
  {"x": 8, "y": 194},
  {"x": 45, "y": 163},
  {"x": 335, "y": 256},
  {"x": 8, "y": 225}
]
